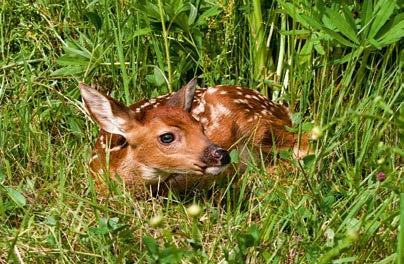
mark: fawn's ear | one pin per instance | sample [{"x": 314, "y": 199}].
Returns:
[
  {"x": 110, "y": 115},
  {"x": 184, "y": 97}
]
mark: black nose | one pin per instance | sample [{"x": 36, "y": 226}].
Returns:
[
  {"x": 215, "y": 156},
  {"x": 222, "y": 155}
]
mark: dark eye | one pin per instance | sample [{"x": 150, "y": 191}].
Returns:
[{"x": 167, "y": 138}]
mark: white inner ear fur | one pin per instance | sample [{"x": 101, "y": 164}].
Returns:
[{"x": 101, "y": 108}]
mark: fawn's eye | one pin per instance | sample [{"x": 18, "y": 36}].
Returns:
[{"x": 167, "y": 138}]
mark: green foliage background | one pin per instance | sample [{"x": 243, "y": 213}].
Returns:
[{"x": 337, "y": 64}]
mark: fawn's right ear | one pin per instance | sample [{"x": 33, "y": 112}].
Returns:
[
  {"x": 110, "y": 115},
  {"x": 184, "y": 97}
]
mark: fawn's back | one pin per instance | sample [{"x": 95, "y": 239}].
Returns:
[{"x": 182, "y": 138}]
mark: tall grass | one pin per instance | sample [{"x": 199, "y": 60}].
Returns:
[{"x": 337, "y": 66}]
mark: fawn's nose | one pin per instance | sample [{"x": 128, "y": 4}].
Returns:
[
  {"x": 222, "y": 155},
  {"x": 215, "y": 156}
]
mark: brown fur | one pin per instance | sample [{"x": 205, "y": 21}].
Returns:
[{"x": 229, "y": 114}]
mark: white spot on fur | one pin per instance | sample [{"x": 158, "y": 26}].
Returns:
[
  {"x": 115, "y": 148},
  {"x": 102, "y": 142},
  {"x": 241, "y": 101},
  {"x": 199, "y": 109},
  {"x": 299, "y": 153},
  {"x": 94, "y": 158},
  {"x": 217, "y": 112},
  {"x": 288, "y": 111},
  {"x": 204, "y": 121},
  {"x": 215, "y": 170},
  {"x": 212, "y": 90},
  {"x": 148, "y": 173},
  {"x": 220, "y": 110},
  {"x": 146, "y": 104},
  {"x": 265, "y": 112},
  {"x": 162, "y": 96},
  {"x": 151, "y": 175}
]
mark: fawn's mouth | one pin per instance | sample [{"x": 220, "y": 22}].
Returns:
[
  {"x": 212, "y": 170},
  {"x": 215, "y": 170}
]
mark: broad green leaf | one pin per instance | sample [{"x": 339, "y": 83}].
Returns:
[
  {"x": 180, "y": 8},
  {"x": 374, "y": 43},
  {"x": 312, "y": 21},
  {"x": 292, "y": 11},
  {"x": 384, "y": 9},
  {"x": 319, "y": 48},
  {"x": 254, "y": 231},
  {"x": 308, "y": 161},
  {"x": 95, "y": 19},
  {"x": 342, "y": 25},
  {"x": 68, "y": 71},
  {"x": 180, "y": 18},
  {"x": 326, "y": 22},
  {"x": 2, "y": 175},
  {"x": 202, "y": 19},
  {"x": 366, "y": 12},
  {"x": 350, "y": 56},
  {"x": 66, "y": 60},
  {"x": 74, "y": 125},
  {"x": 78, "y": 52},
  {"x": 150, "y": 10},
  {"x": 350, "y": 20},
  {"x": 159, "y": 54},
  {"x": 307, "y": 126},
  {"x": 297, "y": 118},
  {"x": 394, "y": 34},
  {"x": 339, "y": 38},
  {"x": 113, "y": 223},
  {"x": 151, "y": 245},
  {"x": 234, "y": 156},
  {"x": 159, "y": 76},
  {"x": 140, "y": 32},
  {"x": 193, "y": 12},
  {"x": 50, "y": 220},
  {"x": 16, "y": 196},
  {"x": 306, "y": 51}
]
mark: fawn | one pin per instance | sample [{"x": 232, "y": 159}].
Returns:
[{"x": 182, "y": 138}]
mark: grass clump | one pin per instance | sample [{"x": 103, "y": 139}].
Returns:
[{"x": 339, "y": 68}]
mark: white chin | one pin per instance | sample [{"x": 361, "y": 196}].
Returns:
[{"x": 215, "y": 170}]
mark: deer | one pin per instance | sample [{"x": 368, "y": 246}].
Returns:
[{"x": 183, "y": 139}]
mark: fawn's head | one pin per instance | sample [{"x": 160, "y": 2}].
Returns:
[{"x": 162, "y": 140}]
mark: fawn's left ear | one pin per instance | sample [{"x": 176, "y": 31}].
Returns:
[
  {"x": 111, "y": 115},
  {"x": 184, "y": 97}
]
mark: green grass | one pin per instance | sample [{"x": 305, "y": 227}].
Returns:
[{"x": 341, "y": 69}]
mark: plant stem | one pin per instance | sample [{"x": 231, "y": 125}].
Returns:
[
  {"x": 258, "y": 34},
  {"x": 401, "y": 234},
  {"x": 166, "y": 44}
]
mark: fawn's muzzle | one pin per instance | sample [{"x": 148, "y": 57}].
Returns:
[
  {"x": 222, "y": 155},
  {"x": 215, "y": 156}
]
